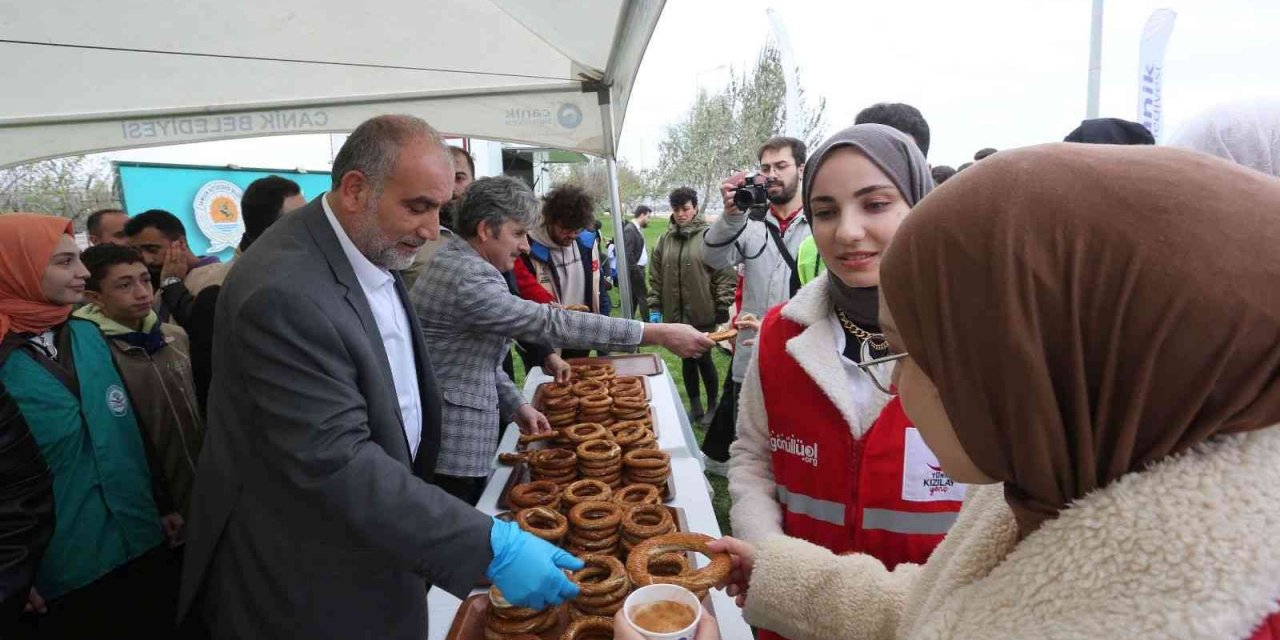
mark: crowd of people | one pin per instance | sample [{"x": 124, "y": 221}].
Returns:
[{"x": 1039, "y": 401}]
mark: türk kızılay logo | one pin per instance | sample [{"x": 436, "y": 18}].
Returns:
[
  {"x": 923, "y": 479},
  {"x": 217, "y": 213}
]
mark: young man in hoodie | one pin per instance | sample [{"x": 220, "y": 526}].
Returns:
[
  {"x": 563, "y": 256},
  {"x": 155, "y": 364},
  {"x": 684, "y": 289},
  {"x": 562, "y": 252}
]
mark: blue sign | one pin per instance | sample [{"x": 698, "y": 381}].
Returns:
[{"x": 205, "y": 199}]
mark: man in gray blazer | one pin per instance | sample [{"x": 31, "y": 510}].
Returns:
[
  {"x": 469, "y": 317},
  {"x": 313, "y": 514}
]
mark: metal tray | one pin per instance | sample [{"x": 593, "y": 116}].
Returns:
[{"x": 631, "y": 364}]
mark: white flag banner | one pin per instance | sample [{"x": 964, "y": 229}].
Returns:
[{"x": 1155, "y": 36}]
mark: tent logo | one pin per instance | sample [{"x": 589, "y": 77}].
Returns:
[
  {"x": 217, "y": 213},
  {"x": 569, "y": 116},
  {"x": 528, "y": 117}
]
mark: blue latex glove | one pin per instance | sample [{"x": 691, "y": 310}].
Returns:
[
  {"x": 655, "y": 317},
  {"x": 528, "y": 569}
]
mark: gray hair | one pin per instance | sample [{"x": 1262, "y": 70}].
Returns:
[
  {"x": 495, "y": 200},
  {"x": 373, "y": 147}
]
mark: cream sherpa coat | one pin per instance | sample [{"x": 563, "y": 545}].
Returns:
[
  {"x": 755, "y": 514},
  {"x": 1186, "y": 549}
]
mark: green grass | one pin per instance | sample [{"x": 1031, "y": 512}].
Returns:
[{"x": 720, "y": 500}]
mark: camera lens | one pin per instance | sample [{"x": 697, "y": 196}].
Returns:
[{"x": 743, "y": 199}]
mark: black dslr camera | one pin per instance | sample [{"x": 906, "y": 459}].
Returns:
[{"x": 752, "y": 197}]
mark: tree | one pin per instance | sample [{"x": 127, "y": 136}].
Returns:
[
  {"x": 593, "y": 176},
  {"x": 722, "y": 132},
  {"x": 698, "y": 151},
  {"x": 71, "y": 187}
]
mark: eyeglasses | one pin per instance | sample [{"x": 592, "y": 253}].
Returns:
[{"x": 882, "y": 377}]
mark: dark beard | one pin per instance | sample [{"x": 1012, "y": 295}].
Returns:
[
  {"x": 446, "y": 215},
  {"x": 785, "y": 196}
]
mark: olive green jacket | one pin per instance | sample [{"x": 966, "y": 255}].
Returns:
[{"x": 681, "y": 286}]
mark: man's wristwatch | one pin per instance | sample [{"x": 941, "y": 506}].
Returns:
[{"x": 170, "y": 280}]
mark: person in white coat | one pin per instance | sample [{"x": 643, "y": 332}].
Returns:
[
  {"x": 1091, "y": 333},
  {"x": 1245, "y": 132}
]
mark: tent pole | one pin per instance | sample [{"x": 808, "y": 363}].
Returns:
[
  {"x": 615, "y": 204},
  {"x": 1095, "y": 62},
  {"x": 620, "y": 248}
]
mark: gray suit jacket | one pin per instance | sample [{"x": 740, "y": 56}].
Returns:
[
  {"x": 469, "y": 317},
  {"x": 309, "y": 519}
]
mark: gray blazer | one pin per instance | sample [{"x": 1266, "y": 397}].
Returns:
[
  {"x": 309, "y": 519},
  {"x": 469, "y": 317}
]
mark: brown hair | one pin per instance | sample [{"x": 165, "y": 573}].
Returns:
[
  {"x": 798, "y": 149},
  {"x": 569, "y": 206}
]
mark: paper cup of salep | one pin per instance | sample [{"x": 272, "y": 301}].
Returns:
[{"x": 638, "y": 604}]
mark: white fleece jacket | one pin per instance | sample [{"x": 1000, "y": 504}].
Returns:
[
  {"x": 755, "y": 513},
  {"x": 1184, "y": 549}
]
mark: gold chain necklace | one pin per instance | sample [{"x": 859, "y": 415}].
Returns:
[{"x": 876, "y": 340}]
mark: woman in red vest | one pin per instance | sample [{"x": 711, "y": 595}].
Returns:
[
  {"x": 1090, "y": 336},
  {"x": 823, "y": 452}
]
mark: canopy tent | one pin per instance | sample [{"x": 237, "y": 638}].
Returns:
[{"x": 98, "y": 76}]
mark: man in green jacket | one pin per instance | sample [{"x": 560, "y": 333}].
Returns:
[{"x": 683, "y": 289}]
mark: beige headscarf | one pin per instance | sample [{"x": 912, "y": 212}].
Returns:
[{"x": 1087, "y": 310}]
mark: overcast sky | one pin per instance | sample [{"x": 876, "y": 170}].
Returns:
[{"x": 998, "y": 73}]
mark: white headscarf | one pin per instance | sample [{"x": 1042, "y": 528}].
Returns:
[{"x": 1245, "y": 132}]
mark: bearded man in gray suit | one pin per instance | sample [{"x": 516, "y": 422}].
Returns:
[{"x": 313, "y": 514}]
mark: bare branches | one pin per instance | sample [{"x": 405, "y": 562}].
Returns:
[
  {"x": 72, "y": 187},
  {"x": 722, "y": 132}
]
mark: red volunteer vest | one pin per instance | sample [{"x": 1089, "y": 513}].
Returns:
[
  {"x": 882, "y": 494},
  {"x": 1269, "y": 629}
]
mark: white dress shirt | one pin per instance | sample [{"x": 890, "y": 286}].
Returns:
[{"x": 393, "y": 325}]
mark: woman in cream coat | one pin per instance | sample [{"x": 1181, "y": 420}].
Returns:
[{"x": 1093, "y": 334}]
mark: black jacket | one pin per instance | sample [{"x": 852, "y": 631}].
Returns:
[
  {"x": 195, "y": 315},
  {"x": 26, "y": 509},
  {"x": 634, "y": 238}
]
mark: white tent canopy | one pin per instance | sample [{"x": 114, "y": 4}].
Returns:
[
  {"x": 86, "y": 76},
  {"x": 97, "y": 76}
]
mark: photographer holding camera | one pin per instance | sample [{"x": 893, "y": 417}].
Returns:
[{"x": 761, "y": 229}]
